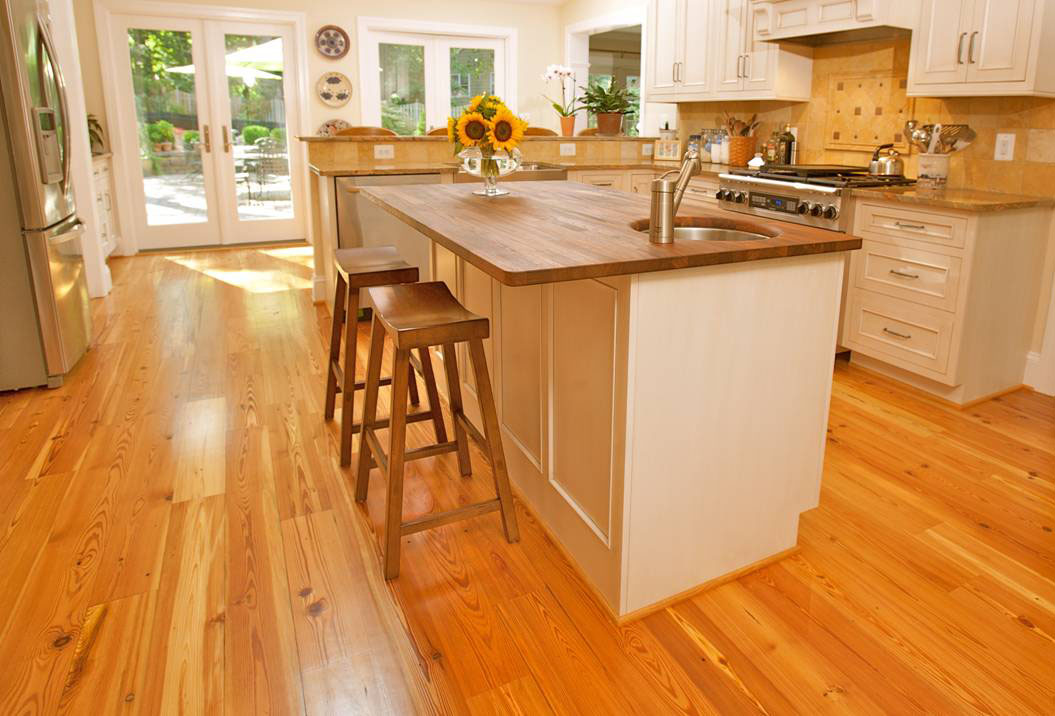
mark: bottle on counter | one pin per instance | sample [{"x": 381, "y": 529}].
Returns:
[
  {"x": 716, "y": 148},
  {"x": 725, "y": 147},
  {"x": 786, "y": 145},
  {"x": 769, "y": 150}
]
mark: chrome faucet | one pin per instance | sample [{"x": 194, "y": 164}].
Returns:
[{"x": 666, "y": 198}]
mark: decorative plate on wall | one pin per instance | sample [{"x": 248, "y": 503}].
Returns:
[
  {"x": 331, "y": 41},
  {"x": 330, "y": 128},
  {"x": 334, "y": 89}
]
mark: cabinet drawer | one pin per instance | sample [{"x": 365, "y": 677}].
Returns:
[
  {"x": 902, "y": 223},
  {"x": 919, "y": 276},
  {"x": 614, "y": 180},
  {"x": 902, "y": 333}
]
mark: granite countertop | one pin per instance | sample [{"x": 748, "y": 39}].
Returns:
[
  {"x": 960, "y": 199},
  {"x": 549, "y": 231},
  {"x": 385, "y": 139},
  {"x": 709, "y": 170},
  {"x": 383, "y": 169}
]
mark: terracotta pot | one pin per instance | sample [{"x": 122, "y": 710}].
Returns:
[
  {"x": 609, "y": 123},
  {"x": 567, "y": 126},
  {"x": 741, "y": 149}
]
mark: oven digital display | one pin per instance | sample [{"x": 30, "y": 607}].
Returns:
[{"x": 772, "y": 202}]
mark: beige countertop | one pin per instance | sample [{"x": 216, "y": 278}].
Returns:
[
  {"x": 549, "y": 231},
  {"x": 960, "y": 199},
  {"x": 709, "y": 170},
  {"x": 383, "y": 139}
]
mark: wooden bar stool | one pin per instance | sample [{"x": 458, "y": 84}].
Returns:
[
  {"x": 358, "y": 269},
  {"x": 417, "y": 316}
]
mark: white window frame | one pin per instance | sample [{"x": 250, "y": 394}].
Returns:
[{"x": 437, "y": 38}]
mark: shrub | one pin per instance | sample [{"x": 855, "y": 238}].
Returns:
[
  {"x": 161, "y": 131},
  {"x": 279, "y": 135},
  {"x": 253, "y": 132},
  {"x": 191, "y": 138}
]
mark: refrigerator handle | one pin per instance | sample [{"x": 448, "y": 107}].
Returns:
[{"x": 60, "y": 86}]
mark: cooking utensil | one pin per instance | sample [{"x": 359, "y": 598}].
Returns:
[
  {"x": 956, "y": 137},
  {"x": 935, "y": 135},
  {"x": 886, "y": 165}
]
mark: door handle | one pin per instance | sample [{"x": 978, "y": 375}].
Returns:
[
  {"x": 206, "y": 138},
  {"x": 739, "y": 64},
  {"x": 747, "y": 67},
  {"x": 226, "y": 139},
  {"x": 959, "y": 48},
  {"x": 970, "y": 48}
]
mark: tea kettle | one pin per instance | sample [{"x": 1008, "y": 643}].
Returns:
[{"x": 886, "y": 165}]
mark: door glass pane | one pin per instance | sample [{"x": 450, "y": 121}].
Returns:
[
  {"x": 254, "y": 67},
  {"x": 163, "y": 80},
  {"x": 402, "y": 98},
  {"x": 472, "y": 73}
]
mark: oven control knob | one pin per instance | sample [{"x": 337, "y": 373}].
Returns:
[
  {"x": 803, "y": 207},
  {"x": 740, "y": 197},
  {"x": 720, "y": 194},
  {"x": 830, "y": 212},
  {"x": 816, "y": 210}
]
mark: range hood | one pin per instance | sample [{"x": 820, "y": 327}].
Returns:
[
  {"x": 863, "y": 34},
  {"x": 830, "y": 22}
]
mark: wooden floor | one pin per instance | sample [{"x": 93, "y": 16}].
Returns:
[{"x": 176, "y": 537}]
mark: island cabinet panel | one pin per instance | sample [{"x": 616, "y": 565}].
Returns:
[
  {"x": 521, "y": 376},
  {"x": 585, "y": 317}
]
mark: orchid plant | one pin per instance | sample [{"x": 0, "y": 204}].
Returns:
[{"x": 566, "y": 76}]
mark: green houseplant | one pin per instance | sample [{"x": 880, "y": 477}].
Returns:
[
  {"x": 95, "y": 135},
  {"x": 608, "y": 104}
]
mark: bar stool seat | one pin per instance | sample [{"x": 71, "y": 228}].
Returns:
[
  {"x": 357, "y": 269},
  {"x": 417, "y": 316}
]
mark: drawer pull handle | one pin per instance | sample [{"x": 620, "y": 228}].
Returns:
[
  {"x": 914, "y": 227},
  {"x": 904, "y": 336},
  {"x": 904, "y": 274}
]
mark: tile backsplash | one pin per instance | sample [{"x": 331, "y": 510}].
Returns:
[{"x": 1030, "y": 119}]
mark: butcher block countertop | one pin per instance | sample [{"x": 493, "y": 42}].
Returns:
[{"x": 544, "y": 232}]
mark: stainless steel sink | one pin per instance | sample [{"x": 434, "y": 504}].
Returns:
[{"x": 698, "y": 233}]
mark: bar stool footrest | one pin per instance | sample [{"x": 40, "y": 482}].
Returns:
[{"x": 443, "y": 518}]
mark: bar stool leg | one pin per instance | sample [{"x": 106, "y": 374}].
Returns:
[
  {"x": 434, "y": 395},
  {"x": 494, "y": 440},
  {"x": 454, "y": 396},
  {"x": 351, "y": 333},
  {"x": 397, "y": 434},
  {"x": 335, "y": 346},
  {"x": 373, "y": 376}
]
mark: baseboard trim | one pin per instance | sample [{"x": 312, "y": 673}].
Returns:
[
  {"x": 1040, "y": 375},
  {"x": 318, "y": 289}
]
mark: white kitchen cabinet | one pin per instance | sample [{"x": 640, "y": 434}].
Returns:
[
  {"x": 790, "y": 19},
  {"x": 707, "y": 50},
  {"x": 106, "y": 213},
  {"x": 679, "y": 49},
  {"x": 944, "y": 299},
  {"x": 614, "y": 179},
  {"x": 983, "y": 47}
]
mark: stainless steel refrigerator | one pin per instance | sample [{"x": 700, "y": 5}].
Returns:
[{"x": 45, "y": 325}]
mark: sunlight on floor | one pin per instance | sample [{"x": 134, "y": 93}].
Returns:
[
  {"x": 252, "y": 280},
  {"x": 300, "y": 255}
]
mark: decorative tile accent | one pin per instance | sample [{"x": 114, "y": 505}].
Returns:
[{"x": 880, "y": 108}]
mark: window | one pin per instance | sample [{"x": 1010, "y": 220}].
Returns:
[{"x": 412, "y": 80}]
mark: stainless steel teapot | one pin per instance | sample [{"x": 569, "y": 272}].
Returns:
[{"x": 888, "y": 164}]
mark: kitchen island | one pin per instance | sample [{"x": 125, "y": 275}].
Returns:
[{"x": 663, "y": 407}]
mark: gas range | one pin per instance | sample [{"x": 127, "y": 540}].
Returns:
[{"x": 810, "y": 194}]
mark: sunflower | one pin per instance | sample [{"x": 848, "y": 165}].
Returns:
[
  {"x": 472, "y": 129},
  {"x": 451, "y": 131},
  {"x": 506, "y": 130},
  {"x": 474, "y": 103}
]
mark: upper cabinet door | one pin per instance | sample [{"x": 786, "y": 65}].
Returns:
[
  {"x": 729, "y": 24},
  {"x": 760, "y": 58},
  {"x": 662, "y": 47},
  {"x": 940, "y": 45},
  {"x": 998, "y": 46},
  {"x": 696, "y": 71}
]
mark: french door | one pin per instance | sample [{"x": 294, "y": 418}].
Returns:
[
  {"x": 422, "y": 79},
  {"x": 211, "y": 103}
]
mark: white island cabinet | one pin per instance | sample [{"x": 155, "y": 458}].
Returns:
[{"x": 666, "y": 426}]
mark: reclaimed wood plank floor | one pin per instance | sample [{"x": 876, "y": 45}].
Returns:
[{"x": 176, "y": 536}]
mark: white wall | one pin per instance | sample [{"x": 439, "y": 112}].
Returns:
[{"x": 538, "y": 41}]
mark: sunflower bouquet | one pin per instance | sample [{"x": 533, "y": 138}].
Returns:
[{"x": 487, "y": 136}]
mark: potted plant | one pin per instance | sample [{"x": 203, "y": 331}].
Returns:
[
  {"x": 608, "y": 104},
  {"x": 95, "y": 135},
  {"x": 162, "y": 135},
  {"x": 566, "y": 107}
]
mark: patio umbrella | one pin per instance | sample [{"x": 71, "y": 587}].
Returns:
[
  {"x": 247, "y": 74},
  {"x": 266, "y": 56}
]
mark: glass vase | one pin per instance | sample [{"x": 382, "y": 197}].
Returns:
[{"x": 489, "y": 166}]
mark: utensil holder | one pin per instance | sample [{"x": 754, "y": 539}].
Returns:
[
  {"x": 933, "y": 169},
  {"x": 741, "y": 149}
]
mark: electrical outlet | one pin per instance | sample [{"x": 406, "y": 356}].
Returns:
[
  {"x": 567, "y": 149},
  {"x": 1005, "y": 147},
  {"x": 384, "y": 151},
  {"x": 646, "y": 150}
]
